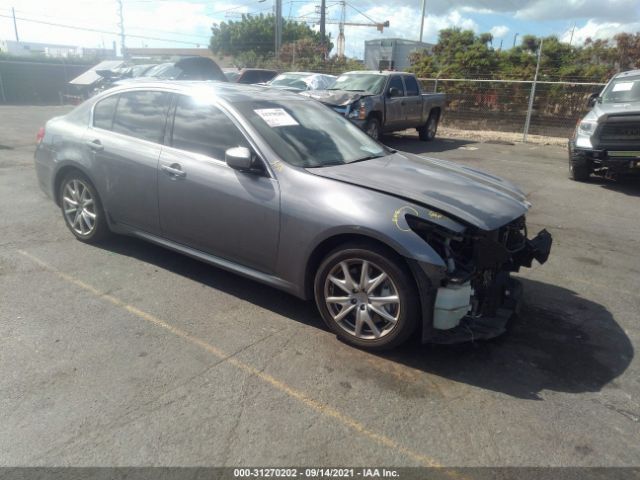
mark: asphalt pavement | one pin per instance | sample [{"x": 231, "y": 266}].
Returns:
[{"x": 126, "y": 354}]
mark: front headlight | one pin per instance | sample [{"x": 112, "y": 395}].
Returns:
[
  {"x": 357, "y": 110},
  {"x": 587, "y": 127}
]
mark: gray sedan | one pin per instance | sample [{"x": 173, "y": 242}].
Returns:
[{"x": 280, "y": 189}]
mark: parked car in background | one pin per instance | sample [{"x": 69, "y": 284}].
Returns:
[
  {"x": 302, "y": 81},
  {"x": 607, "y": 140},
  {"x": 276, "y": 187},
  {"x": 187, "y": 68},
  {"x": 250, "y": 75},
  {"x": 383, "y": 102}
]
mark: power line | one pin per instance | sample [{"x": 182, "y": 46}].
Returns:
[
  {"x": 86, "y": 21},
  {"x": 96, "y": 30}
]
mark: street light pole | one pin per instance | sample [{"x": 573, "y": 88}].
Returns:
[{"x": 424, "y": 7}]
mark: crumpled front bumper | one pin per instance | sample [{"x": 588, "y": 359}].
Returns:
[{"x": 537, "y": 248}]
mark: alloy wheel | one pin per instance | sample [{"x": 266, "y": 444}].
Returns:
[
  {"x": 362, "y": 299},
  {"x": 79, "y": 207}
]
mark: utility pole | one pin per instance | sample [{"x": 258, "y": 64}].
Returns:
[
  {"x": 323, "y": 28},
  {"x": 15, "y": 25},
  {"x": 424, "y": 8},
  {"x": 572, "y": 32},
  {"x": 532, "y": 95},
  {"x": 123, "y": 48},
  {"x": 514, "y": 39},
  {"x": 278, "y": 19}
]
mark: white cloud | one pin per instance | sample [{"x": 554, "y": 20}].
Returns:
[
  {"x": 499, "y": 31},
  {"x": 575, "y": 9},
  {"x": 599, "y": 31},
  {"x": 174, "y": 20}
]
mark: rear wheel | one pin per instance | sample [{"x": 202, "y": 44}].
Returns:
[
  {"x": 81, "y": 208},
  {"x": 428, "y": 131},
  {"x": 367, "y": 297}
]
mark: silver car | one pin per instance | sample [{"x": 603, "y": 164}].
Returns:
[{"x": 280, "y": 189}]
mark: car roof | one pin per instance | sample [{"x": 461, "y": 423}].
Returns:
[
  {"x": 377, "y": 72},
  {"x": 229, "y": 91},
  {"x": 627, "y": 73}
]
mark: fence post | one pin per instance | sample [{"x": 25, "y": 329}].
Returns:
[
  {"x": 4, "y": 97},
  {"x": 532, "y": 95},
  {"x": 435, "y": 86}
]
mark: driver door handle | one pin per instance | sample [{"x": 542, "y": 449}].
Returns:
[
  {"x": 174, "y": 170},
  {"x": 95, "y": 145}
]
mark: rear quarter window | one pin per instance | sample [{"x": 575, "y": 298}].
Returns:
[{"x": 103, "y": 112}]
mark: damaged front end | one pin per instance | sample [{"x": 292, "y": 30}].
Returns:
[{"x": 475, "y": 295}]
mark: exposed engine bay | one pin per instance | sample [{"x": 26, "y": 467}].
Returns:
[{"x": 477, "y": 296}]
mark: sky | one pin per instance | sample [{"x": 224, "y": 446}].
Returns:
[{"x": 187, "y": 23}]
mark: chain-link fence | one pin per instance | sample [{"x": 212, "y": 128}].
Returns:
[{"x": 502, "y": 105}]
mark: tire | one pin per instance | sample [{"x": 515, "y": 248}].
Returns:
[
  {"x": 579, "y": 167},
  {"x": 372, "y": 128},
  {"x": 354, "y": 316},
  {"x": 428, "y": 131},
  {"x": 89, "y": 225}
]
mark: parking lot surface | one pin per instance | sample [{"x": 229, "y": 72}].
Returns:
[{"x": 127, "y": 354}]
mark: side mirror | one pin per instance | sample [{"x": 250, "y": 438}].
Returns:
[
  {"x": 239, "y": 158},
  {"x": 593, "y": 98},
  {"x": 395, "y": 92}
]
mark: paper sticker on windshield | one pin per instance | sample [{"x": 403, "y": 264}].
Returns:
[
  {"x": 623, "y": 86},
  {"x": 276, "y": 117}
]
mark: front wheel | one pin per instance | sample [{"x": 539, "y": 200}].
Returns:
[
  {"x": 367, "y": 297},
  {"x": 579, "y": 167},
  {"x": 372, "y": 128}
]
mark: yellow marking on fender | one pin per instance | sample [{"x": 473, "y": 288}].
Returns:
[
  {"x": 397, "y": 216},
  {"x": 298, "y": 395}
]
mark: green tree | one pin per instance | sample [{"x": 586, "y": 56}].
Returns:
[{"x": 255, "y": 33}]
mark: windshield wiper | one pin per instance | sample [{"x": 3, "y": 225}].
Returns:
[{"x": 368, "y": 157}]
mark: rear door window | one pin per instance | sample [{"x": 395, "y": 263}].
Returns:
[
  {"x": 205, "y": 129},
  {"x": 412, "y": 86},
  {"x": 142, "y": 114},
  {"x": 103, "y": 112}
]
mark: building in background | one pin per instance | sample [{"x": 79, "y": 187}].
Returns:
[
  {"x": 391, "y": 53},
  {"x": 51, "y": 50}
]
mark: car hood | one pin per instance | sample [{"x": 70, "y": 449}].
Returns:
[
  {"x": 605, "y": 109},
  {"x": 336, "y": 98},
  {"x": 475, "y": 197}
]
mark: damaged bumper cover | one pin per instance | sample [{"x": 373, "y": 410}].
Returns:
[{"x": 476, "y": 296}]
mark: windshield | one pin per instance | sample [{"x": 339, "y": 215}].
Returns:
[
  {"x": 623, "y": 90},
  {"x": 164, "y": 70},
  {"x": 290, "y": 80},
  {"x": 308, "y": 134},
  {"x": 360, "y": 82}
]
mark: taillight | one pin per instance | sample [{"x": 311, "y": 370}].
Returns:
[{"x": 39, "y": 135}]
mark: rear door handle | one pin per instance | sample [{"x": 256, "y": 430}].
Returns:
[
  {"x": 95, "y": 145},
  {"x": 174, "y": 170}
]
